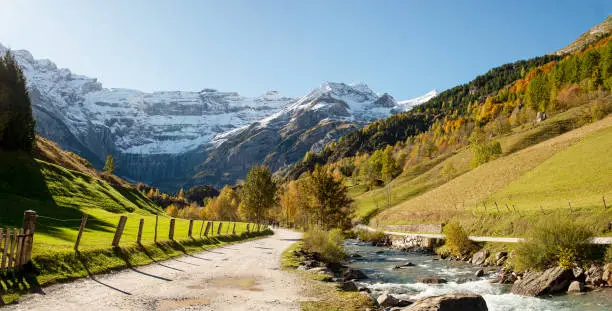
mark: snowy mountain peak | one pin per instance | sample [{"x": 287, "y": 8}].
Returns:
[{"x": 408, "y": 104}]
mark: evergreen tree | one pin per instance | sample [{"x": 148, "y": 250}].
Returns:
[
  {"x": 16, "y": 122},
  {"x": 332, "y": 205},
  {"x": 109, "y": 165}
]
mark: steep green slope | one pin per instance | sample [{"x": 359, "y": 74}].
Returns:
[{"x": 572, "y": 166}]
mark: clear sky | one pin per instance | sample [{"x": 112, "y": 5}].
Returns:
[{"x": 403, "y": 47}]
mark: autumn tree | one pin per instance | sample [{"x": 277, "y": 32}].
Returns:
[
  {"x": 258, "y": 193},
  {"x": 483, "y": 149},
  {"x": 109, "y": 165},
  {"x": 224, "y": 206},
  {"x": 332, "y": 206}
]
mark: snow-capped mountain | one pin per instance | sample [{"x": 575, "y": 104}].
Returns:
[
  {"x": 408, "y": 104},
  {"x": 305, "y": 124},
  {"x": 165, "y": 138}
]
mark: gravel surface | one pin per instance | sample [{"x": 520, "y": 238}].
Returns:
[{"x": 244, "y": 276}]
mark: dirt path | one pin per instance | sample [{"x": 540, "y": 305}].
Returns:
[{"x": 243, "y": 276}]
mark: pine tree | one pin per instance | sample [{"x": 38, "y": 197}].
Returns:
[
  {"x": 109, "y": 166},
  {"x": 17, "y": 128}
]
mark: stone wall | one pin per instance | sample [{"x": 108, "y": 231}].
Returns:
[
  {"x": 420, "y": 228},
  {"x": 410, "y": 241}
]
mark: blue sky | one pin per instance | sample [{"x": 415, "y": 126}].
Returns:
[{"x": 405, "y": 48}]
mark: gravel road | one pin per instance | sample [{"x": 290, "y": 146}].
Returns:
[{"x": 244, "y": 276}]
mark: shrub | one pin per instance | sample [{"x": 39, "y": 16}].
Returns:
[
  {"x": 327, "y": 244},
  {"x": 552, "y": 241},
  {"x": 608, "y": 256},
  {"x": 456, "y": 241},
  {"x": 371, "y": 236}
]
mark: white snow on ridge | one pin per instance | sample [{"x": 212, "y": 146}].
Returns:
[{"x": 408, "y": 104}]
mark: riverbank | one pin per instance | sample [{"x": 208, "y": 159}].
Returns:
[
  {"x": 319, "y": 283},
  {"x": 454, "y": 277}
]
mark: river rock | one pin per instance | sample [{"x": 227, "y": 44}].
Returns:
[
  {"x": 386, "y": 300},
  {"x": 348, "y": 286},
  {"x": 553, "y": 280},
  {"x": 575, "y": 287},
  {"x": 353, "y": 274},
  {"x": 579, "y": 274},
  {"x": 480, "y": 273},
  {"x": 607, "y": 274},
  {"x": 500, "y": 262},
  {"x": 500, "y": 255},
  {"x": 480, "y": 257},
  {"x": 594, "y": 276},
  {"x": 430, "y": 280},
  {"x": 408, "y": 264},
  {"x": 319, "y": 270},
  {"x": 453, "y": 302}
]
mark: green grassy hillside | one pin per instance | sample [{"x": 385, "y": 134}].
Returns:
[{"x": 535, "y": 170}]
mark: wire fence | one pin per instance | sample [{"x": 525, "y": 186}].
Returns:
[{"x": 92, "y": 231}]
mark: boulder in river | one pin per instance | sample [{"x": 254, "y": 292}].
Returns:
[
  {"x": 353, "y": 274},
  {"x": 408, "y": 264},
  {"x": 553, "y": 280},
  {"x": 453, "y": 302},
  {"x": 480, "y": 273},
  {"x": 594, "y": 276},
  {"x": 480, "y": 257},
  {"x": 430, "y": 280},
  {"x": 387, "y": 301},
  {"x": 575, "y": 287}
]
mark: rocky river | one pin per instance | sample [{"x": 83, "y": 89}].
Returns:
[{"x": 378, "y": 263}]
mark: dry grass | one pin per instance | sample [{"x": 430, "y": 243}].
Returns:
[{"x": 464, "y": 195}]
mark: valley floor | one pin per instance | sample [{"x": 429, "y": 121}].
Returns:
[{"x": 243, "y": 276}]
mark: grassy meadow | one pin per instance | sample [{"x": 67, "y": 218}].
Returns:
[{"x": 546, "y": 165}]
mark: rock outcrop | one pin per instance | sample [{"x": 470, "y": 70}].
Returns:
[
  {"x": 454, "y": 302},
  {"x": 553, "y": 280}
]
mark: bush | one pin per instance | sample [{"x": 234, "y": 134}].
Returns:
[
  {"x": 456, "y": 241},
  {"x": 608, "y": 257},
  {"x": 552, "y": 241},
  {"x": 327, "y": 244},
  {"x": 374, "y": 237}
]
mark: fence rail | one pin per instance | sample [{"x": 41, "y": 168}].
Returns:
[{"x": 16, "y": 244}]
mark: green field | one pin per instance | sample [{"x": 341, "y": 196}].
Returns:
[{"x": 543, "y": 165}]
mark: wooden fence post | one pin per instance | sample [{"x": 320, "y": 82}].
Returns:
[
  {"x": 234, "y": 229},
  {"x": 155, "y": 234},
  {"x": 29, "y": 226},
  {"x": 603, "y": 198},
  {"x": 19, "y": 253},
  {"x": 171, "y": 230},
  {"x": 7, "y": 239},
  {"x": 248, "y": 228},
  {"x": 119, "y": 230},
  {"x": 497, "y": 206},
  {"x": 219, "y": 228},
  {"x": 140, "y": 227},
  {"x": 1, "y": 241},
  {"x": 570, "y": 206},
  {"x": 190, "y": 231},
  {"x": 201, "y": 228},
  {"x": 81, "y": 228},
  {"x": 11, "y": 259},
  {"x": 227, "y": 228},
  {"x": 207, "y": 229}
]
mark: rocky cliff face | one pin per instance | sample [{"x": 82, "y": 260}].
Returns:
[
  {"x": 168, "y": 138},
  {"x": 306, "y": 124}
]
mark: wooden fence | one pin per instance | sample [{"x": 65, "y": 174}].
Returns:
[{"x": 16, "y": 244}]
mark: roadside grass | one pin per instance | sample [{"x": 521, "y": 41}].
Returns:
[
  {"x": 463, "y": 197},
  {"x": 328, "y": 297},
  {"x": 61, "y": 266}
]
